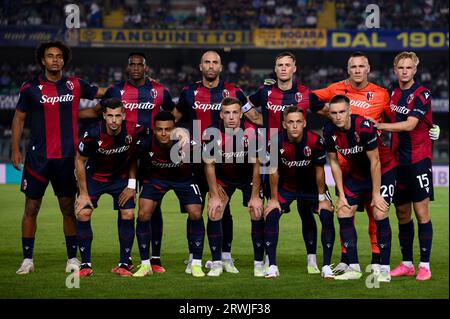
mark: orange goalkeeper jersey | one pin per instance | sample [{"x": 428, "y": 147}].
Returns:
[{"x": 370, "y": 101}]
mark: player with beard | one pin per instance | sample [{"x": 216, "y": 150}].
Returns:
[{"x": 198, "y": 108}]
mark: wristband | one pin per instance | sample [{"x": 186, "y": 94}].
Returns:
[
  {"x": 322, "y": 197},
  {"x": 132, "y": 183},
  {"x": 246, "y": 107}
]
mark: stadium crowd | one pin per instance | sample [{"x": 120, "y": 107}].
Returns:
[{"x": 219, "y": 14}]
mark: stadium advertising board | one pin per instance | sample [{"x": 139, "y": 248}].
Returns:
[
  {"x": 388, "y": 40},
  {"x": 161, "y": 37},
  {"x": 29, "y": 36},
  {"x": 290, "y": 38},
  {"x": 351, "y": 40}
]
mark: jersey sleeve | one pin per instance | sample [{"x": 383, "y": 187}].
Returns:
[
  {"x": 88, "y": 144},
  {"x": 167, "y": 103},
  {"x": 88, "y": 91},
  {"x": 315, "y": 104},
  {"x": 24, "y": 103},
  {"x": 255, "y": 98},
  {"x": 110, "y": 92},
  {"x": 330, "y": 145},
  {"x": 320, "y": 155},
  {"x": 241, "y": 96},
  {"x": 422, "y": 104},
  {"x": 324, "y": 94},
  {"x": 182, "y": 104},
  {"x": 368, "y": 134}
]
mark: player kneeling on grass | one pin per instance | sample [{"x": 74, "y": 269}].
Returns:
[
  {"x": 300, "y": 176},
  {"x": 356, "y": 139},
  {"x": 105, "y": 163},
  {"x": 164, "y": 167}
]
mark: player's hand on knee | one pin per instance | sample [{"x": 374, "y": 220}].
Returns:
[
  {"x": 215, "y": 207},
  {"x": 256, "y": 207},
  {"x": 379, "y": 202},
  {"x": 222, "y": 195},
  {"x": 271, "y": 205},
  {"x": 325, "y": 204},
  {"x": 82, "y": 202},
  {"x": 434, "y": 132},
  {"x": 342, "y": 202},
  {"x": 126, "y": 195}
]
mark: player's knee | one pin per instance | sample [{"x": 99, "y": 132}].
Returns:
[
  {"x": 403, "y": 216},
  {"x": 423, "y": 216},
  {"x": 195, "y": 214},
  {"x": 144, "y": 216},
  {"x": 127, "y": 214},
  {"x": 31, "y": 209},
  {"x": 84, "y": 215}
]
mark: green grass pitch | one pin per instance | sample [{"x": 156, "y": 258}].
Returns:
[{"x": 49, "y": 280}]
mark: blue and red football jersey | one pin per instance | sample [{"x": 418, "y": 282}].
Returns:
[
  {"x": 413, "y": 146},
  {"x": 273, "y": 101},
  {"x": 297, "y": 161},
  {"x": 353, "y": 143},
  {"x": 156, "y": 160},
  {"x": 237, "y": 151},
  {"x": 53, "y": 108},
  {"x": 110, "y": 156},
  {"x": 200, "y": 103},
  {"x": 141, "y": 103}
]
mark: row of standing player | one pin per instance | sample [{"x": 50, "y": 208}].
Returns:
[{"x": 143, "y": 98}]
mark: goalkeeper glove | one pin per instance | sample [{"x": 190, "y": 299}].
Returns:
[
  {"x": 434, "y": 132},
  {"x": 269, "y": 81}
]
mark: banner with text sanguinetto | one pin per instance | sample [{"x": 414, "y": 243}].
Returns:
[{"x": 162, "y": 37}]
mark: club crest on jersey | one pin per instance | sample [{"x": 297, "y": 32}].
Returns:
[
  {"x": 370, "y": 96},
  {"x": 410, "y": 98},
  {"x": 307, "y": 151},
  {"x": 269, "y": 92},
  {"x": 225, "y": 93},
  {"x": 357, "y": 137},
  {"x": 245, "y": 141},
  {"x": 298, "y": 97},
  {"x": 128, "y": 139},
  {"x": 70, "y": 85},
  {"x": 153, "y": 93}
]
